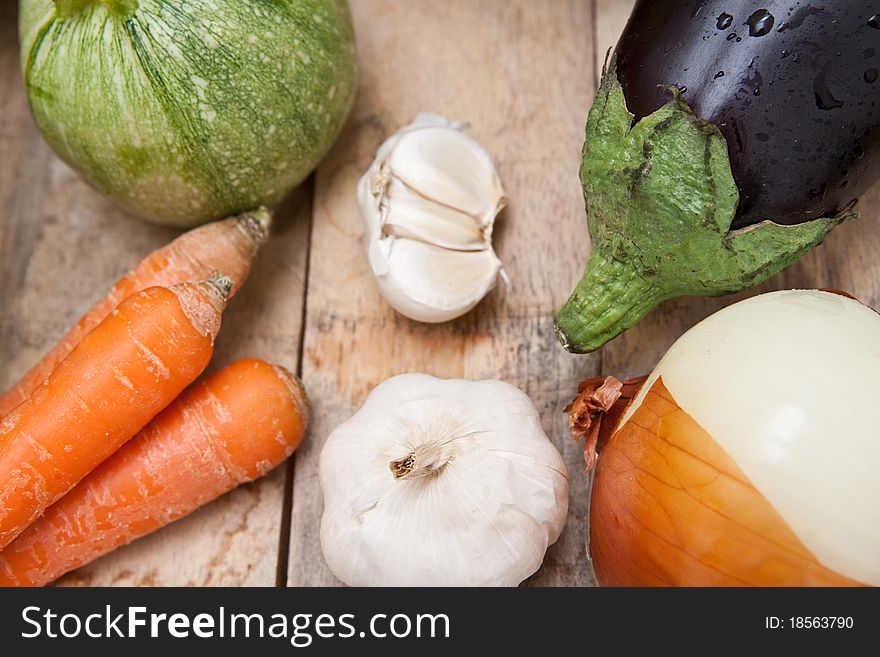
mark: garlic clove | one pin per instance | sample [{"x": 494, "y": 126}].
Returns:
[
  {"x": 429, "y": 202},
  {"x": 449, "y": 167},
  {"x": 430, "y": 284},
  {"x": 408, "y": 214}
]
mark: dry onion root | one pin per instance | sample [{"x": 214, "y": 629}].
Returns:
[{"x": 749, "y": 456}]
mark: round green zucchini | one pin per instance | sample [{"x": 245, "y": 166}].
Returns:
[{"x": 184, "y": 112}]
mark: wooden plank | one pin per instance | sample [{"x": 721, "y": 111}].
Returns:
[
  {"x": 61, "y": 246},
  {"x": 521, "y": 73},
  {"x": 847, "y": 260}
]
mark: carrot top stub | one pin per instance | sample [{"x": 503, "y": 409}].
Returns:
[
  {"x": 203, "y": 304},
  {"x": 130, "y": 367},
  {"x": 229, "y": 246}
]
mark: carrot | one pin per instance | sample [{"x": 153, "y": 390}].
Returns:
[
  {"x": 233, "y": 427},
  {"x": 130, "y": 367},
  {"x": 228, "y": 246}
]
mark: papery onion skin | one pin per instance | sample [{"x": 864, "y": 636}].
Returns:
[
  {"x": 670, "y": 507},
  {"x": 766, "y": 438}
]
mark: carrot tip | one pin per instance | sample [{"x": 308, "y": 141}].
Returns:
[{"x": 297, "y": 393}]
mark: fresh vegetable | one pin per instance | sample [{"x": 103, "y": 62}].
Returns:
[
  {"x": 184, "y": 112},
  {"x": 750, "y": 454},
  {"x": 231, "y": 428},
  {"x": 126, "y": 370},
  {"x": 761, "y": 135},
  {"x": 228, "y": 246},
  {"x": 429, "y": 202},
  {"x": 441, "y": 483}
]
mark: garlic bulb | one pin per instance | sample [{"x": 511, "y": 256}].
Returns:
[
  {"x": 429, "y": 202},
  {"x": 441, "y": 483}
]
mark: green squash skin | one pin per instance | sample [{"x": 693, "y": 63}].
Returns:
[
  {"x": 185, "y": 112},
  {"x": 660, "y": 200}
]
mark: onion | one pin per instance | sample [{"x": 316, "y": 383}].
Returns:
[{"x": 750, "y": 454}]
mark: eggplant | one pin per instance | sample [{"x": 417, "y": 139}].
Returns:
[{"x": 726, "y": 140}]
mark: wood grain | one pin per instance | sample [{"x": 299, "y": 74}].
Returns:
[
  {"x": 844, "y": 261},
  {"x": 61, "y": 246},
  {"x": 521, "y": 73}
]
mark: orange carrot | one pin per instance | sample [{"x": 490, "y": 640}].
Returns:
[
  {"x": 228, "y": 246},
  {"x": 130, "y": 367},
  {"x": 233, "y": 427}
]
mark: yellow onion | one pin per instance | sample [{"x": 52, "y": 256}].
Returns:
[{"x": 750, "y": 455}]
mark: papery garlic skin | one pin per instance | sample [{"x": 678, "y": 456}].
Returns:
[
  {"x": 429, "y": 202},
  {"x": 491, "y": 498}
]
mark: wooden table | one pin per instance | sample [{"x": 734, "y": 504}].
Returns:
[{"x": 523, "y": 73}]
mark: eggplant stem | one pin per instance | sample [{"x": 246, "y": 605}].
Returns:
[
  {"x": 611, "y": 297},
  {"x": 660, "y": 201}
]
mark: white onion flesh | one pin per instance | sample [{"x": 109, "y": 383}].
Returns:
[{"x": 787, "y": 383}]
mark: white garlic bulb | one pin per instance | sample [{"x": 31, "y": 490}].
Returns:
[
  {"x": 429, "y": 202},
  {"x": 439, "y": 482}
]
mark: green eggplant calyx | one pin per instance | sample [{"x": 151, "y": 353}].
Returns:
[
  {"x": 117, "y": 7},
  {"x": 660, "y": 200},
  {"x": 611, "y": 296}
]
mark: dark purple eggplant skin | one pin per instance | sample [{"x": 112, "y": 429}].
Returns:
[{"x": 795, "y": 94}]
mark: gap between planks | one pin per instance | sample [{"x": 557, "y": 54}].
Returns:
[{"x": 289, "y": 465}]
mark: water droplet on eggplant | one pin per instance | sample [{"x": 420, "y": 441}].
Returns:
[
  {"x": 732, "y": 36},
  {"x": 753, "y": 80},
  {"x": 725, "y": 20},
  {"x": 874, "y": 21},
  {"x": 762, "y": 136},
  {"x": 719, "y": 74},
  {"x": 760, "y": 23},
  {"x": 818, "y": 192},
  {"x": 785, "y": 53},
  {"x": 871, "y": 75},
  {"x": 824, "y": 98}
]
